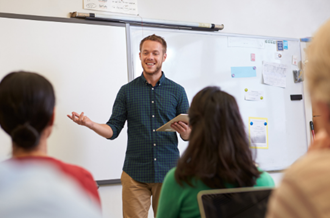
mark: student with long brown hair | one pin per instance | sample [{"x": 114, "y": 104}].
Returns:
[{"x": 218, "y": 156}]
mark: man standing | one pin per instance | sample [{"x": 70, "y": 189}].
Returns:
[{"x": 146, "y": 103}]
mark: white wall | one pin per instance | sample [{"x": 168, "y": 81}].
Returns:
[{"x": 294, "y": 18}]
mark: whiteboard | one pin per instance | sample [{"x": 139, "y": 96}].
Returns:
[
  {"x": 199, "y": 59},
  {"x": 87, "y": 65}
]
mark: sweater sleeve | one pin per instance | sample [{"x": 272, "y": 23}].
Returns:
[{"x": 265, "y": 180}]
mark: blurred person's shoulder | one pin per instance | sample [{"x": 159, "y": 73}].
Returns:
[
  {"x": 304, "y": 190},
  {"x": 68, "y": 168},
  {"x": 41, "y": 190},
  {"x": 310, "y": 163},
  {"x": 311, "y": 172}
]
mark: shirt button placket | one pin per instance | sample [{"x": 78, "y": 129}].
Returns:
[
  {"x": 152, "y": 94},
  {"x": 153, "y": 116}
]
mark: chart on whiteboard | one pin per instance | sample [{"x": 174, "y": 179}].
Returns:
[{"x": 117, "y": 6}]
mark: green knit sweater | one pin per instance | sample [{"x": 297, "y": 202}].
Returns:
[{"x": 177, "y": 201}]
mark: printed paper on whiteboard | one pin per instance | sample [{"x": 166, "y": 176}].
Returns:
[
  {"x": 258, "y": 132},
  {"x": 116, "y": 6},
  {"x": 294, "y": 60},
  {"x": 274, "y": 74}
]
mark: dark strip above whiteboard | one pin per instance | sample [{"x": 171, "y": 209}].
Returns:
[{"x": 58, "y": 19}]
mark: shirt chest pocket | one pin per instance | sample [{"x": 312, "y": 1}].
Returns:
[{"x": 139, "y": 106}]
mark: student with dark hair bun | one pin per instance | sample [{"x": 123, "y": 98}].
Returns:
[
  {"x": 27, "y": 102},
  {"x": 218, "y": 156}
]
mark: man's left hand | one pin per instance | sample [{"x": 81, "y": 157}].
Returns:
[{"x": 182, "y": 128}]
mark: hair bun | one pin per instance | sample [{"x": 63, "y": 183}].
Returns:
[{"x": 25, "y": 136}]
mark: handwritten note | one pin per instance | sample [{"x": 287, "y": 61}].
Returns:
[
  {"x": 254, "y": 95},
  {"x": 274, "y": 74},
  {"x": 117, "y": 6}
]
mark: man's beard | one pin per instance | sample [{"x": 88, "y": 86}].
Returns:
[{"x": 152, "y": 72}]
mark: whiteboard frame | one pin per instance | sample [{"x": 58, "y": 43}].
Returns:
[{"x": 308, "y": 115}]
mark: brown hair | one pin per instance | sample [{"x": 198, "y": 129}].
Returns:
[
  {"x": 156, "y": 39},
  {"x": 218, "y": 152}
]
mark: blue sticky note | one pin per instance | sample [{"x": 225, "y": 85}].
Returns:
[
  {"x": 285, "y": 45},
  {"x": 279, "y": 45},
  {"x": 240, "y": 72}
]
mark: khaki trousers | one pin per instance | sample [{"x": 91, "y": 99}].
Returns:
[{"x": 136, "y": 197}]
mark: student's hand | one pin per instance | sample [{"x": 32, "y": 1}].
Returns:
[
  {"x": 182, "y": 128},
  {"x": 321, "y": 141},
  {"x": 81, "y": 119}
]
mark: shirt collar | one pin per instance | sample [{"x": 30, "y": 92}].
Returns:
[{"x": 160, "y": 81}]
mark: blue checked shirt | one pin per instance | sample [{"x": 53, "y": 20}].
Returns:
[{"x": 150, "y": 154}]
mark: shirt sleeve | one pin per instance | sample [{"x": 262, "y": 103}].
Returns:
[
  {"x": 169, "y": 200},
  {"x": 119, "y": 113},
  {"x": 91, "y": 186}
]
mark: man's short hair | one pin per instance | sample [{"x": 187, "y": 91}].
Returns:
[{"x": 156, "y": 39}]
